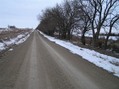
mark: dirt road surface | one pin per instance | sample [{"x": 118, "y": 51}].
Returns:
[{"x": 41, "y": 64}]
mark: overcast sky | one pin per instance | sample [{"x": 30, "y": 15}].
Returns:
[{"x": 23, "y": 13}]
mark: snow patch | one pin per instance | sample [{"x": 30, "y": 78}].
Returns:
[
  {"x": 2, "y": 46},
  {"x": 17, "y": 40},
  {"x": 11, "y": 49}
]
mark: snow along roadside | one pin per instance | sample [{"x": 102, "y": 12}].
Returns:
[
  {"x": 17, "y": 40},
  {"x": 108, "y": 63}
]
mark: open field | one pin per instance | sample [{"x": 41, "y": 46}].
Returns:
[{"x": 12, "y": 36}]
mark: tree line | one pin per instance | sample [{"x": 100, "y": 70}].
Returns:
[{"x": 83, "y": 15}]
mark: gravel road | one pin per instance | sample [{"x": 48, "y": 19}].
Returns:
[{"x": 41, "y": 64}]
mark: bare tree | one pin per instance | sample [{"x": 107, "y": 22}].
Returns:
[
  {"x": 71, "y": 17},
  {"x": 86, "y": 15},
  {"x": 98, "y": 12},
  {"x": 84, "y": 18},
  {"x": 111, "y": 26},
  {"x": 47, "y": 24}
]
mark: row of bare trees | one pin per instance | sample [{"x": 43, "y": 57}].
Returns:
[
  {"x": 84, "y": 15},
  {"x": 61, "y": 19}
]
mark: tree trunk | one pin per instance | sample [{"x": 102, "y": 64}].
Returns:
[
  {"x": 83, "y": 36},
  {"x": 95, "y": 43},
  {"x": 105, "y": 44},
  {"x": 83, "y": 39},
  {"x": 63, "y": 35},
  {"x": 94, "y": 35},
  {"x": 69, "y": 35}
]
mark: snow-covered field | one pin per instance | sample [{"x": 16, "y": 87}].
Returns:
[
  {"x": 108, "y": 63},
  {"x": 17, "y": 39},
  {"x": 89, "y": 34}
]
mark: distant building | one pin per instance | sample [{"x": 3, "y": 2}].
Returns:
[{"x": 11, "y": 26}]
